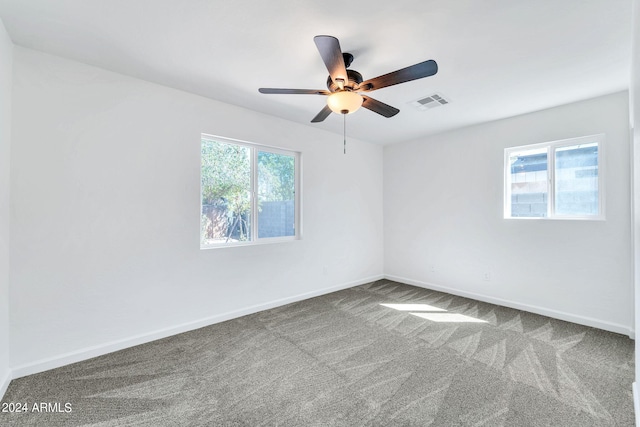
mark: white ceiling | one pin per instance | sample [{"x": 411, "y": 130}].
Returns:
[{"x": 497, "y": 58}]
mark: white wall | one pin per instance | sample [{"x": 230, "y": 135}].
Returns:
[
  {"x": 105, "y": 226},
  {"x": 444, "y": 225},
  {"x": 6, "y": 66}
]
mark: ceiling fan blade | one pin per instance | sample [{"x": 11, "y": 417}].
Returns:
[
  {"x": 379, "y": 107},
  {"x": 323, "y": 114},
  {"x": 329, "y": 48},
  {"x": 414, "y": 72},
  {"x": 294, "y": 91}
]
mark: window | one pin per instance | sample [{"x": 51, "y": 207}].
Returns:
[
  {"x": 249, "y": 193},
  {"x": 560, "y": 179}
]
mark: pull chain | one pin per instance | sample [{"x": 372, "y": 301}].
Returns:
[{"x": 344, "y": 132}]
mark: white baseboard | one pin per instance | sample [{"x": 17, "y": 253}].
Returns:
[
  {"x": 636, "y": 402},
  {"x": 99, "y": 350},
  {"x": 4, "y": 383},
  {"x": 581, "y": 320}
]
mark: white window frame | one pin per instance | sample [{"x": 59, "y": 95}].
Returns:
[
  {"x": 551, "y": 148},
  {"x": 253, "y": 155}
]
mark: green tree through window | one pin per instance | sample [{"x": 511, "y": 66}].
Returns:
[
  {"x": 248, "y": 192},
  {"x": 276, "y": 194},
  {"x": 226, "y": 192}
]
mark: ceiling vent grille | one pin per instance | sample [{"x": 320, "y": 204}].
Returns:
[{"x": 429, "y": 102}]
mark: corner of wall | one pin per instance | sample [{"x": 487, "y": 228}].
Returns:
[
  {"x": 6, "y": 85},
  {"x": 634, "y": 118},
  {"x": 4, "y": 383}
]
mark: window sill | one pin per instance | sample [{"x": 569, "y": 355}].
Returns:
[
  {"x": 557, "y": 218},
  {"x": 260, "y": 242}
]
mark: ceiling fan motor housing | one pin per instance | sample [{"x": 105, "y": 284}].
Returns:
[{"x": 355, "y": 78}]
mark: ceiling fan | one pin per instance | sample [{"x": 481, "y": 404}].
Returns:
[{"x": 345, "y": 87}]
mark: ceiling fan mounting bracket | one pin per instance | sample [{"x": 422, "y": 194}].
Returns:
[{"x": 348, "y": 59}]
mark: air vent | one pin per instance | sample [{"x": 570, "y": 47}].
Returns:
[{"x": 429, "y": 102}]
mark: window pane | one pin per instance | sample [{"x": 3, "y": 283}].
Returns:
[
  {"x": 576, "y": 180},
  {"x": 276, "y": 195},
  {"x": 528, "y": 183},
  {"x": 226, "y": 193}
]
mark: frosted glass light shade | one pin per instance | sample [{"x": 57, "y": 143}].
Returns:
[{"x": 342, "y": 101}]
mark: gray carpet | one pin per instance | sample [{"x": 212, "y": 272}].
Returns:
[{"x": 344, "y": 359}]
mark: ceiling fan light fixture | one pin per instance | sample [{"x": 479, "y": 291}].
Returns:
[
  {"x": 344, "y": 102},
  {"x": 345, "y": 84}
]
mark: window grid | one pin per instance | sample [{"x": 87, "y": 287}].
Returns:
[
  {"x": 550, "y": 149},
  {"x": 254, "y": 150}
]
